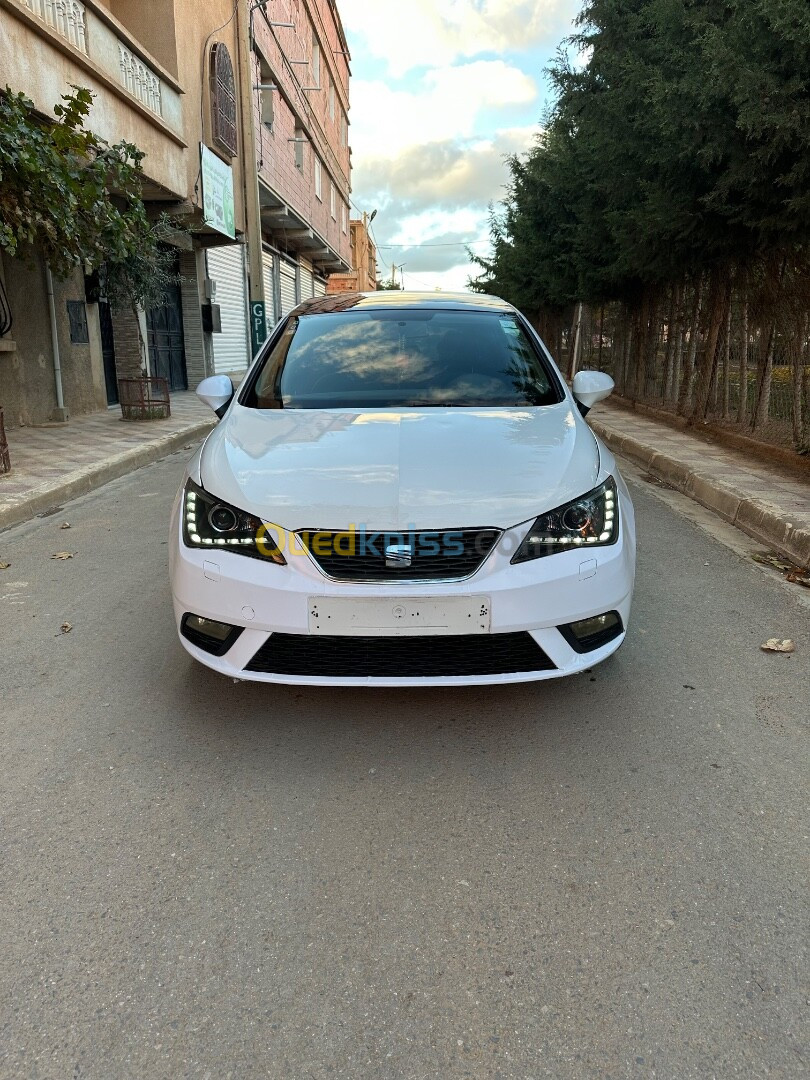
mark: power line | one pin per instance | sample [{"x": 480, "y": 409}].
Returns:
[
  {"x": 419, "y": 281},
  {"x": 371, "y": 232},
  {"x": 376, "y": 247}
]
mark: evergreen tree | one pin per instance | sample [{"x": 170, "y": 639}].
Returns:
[{"x": 672, "y": 180}]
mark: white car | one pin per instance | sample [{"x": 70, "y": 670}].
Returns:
[{"x": 402, "y": 492}]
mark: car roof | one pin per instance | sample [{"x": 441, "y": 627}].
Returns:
[{"x": 454, "y": 301}]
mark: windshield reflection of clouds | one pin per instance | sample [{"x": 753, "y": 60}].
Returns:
[
  {"x": 402, "y": 359},
  {"x": 373, "y": 353}
]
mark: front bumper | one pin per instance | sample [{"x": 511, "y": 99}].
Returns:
[{"x": 534, "y": 597}]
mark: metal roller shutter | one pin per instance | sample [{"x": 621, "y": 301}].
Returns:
[
  {"x": 319, "y": 287},
  {"x": 269, "y": 272},
  {"x": 289, "y": 287},
  {"x": 226, "y": 266},
  {"x": 306, "y": 280}
]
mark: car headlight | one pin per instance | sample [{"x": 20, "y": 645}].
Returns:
[
  {"x": 209, "y": 522},
  {"x": 590, "y": 521}
]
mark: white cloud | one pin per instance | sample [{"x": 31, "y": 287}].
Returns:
[
  {"x": 445, "y": 104},
  {"x": 452, "y": 280},
  {"x": 437, "y": 194},
  {"x": 434, "y": 223},
  {"x": 446, "y": 175},
  {"x": 410, "y": 34},
  {"x": 437, "y": 92}
]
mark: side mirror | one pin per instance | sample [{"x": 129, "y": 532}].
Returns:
[
  {"x": 590, "y": 387},
  {"x": 217, "y": 392}
]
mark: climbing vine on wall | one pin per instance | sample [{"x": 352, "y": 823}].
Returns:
[{"x": 67, "y": 193}]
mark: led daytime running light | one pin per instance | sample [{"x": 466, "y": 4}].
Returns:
[
  {"x": 248, "y": 535},
  {"x": 591, "y": 520}
]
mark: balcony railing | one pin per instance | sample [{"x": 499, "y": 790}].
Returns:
[
  {"x": 140, "y": 80},
  {"x": 67, "y": 17}
]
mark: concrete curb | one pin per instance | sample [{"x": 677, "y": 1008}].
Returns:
[
  {"x": 84, "y": 480},
  {"x": 715, "y": 435},
  {"x": 765, "y": 522}
]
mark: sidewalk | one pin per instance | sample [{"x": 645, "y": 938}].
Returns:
[
  {"x": 769, "y": 503},
  {"x": 52, "y": 464}
]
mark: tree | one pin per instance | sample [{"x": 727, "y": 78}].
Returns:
[
  {"x": 390, "y": 284},
  {"x": 142, "y": 279},
  {"x": 671, "y": 182},
  {"x": 68, "y": 194},
  {"x": 63, "y": 190}
]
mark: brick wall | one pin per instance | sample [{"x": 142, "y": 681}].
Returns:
[
  {"x": 337, "y": 283},
  {"x": 308, "y": 111}
]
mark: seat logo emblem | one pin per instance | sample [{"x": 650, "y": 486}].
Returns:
[{"x": 399, "y": 556}]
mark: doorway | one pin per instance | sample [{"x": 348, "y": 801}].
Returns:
[
  {"x": 108, "y": 352},
  {"x": 167, "y": 347}
]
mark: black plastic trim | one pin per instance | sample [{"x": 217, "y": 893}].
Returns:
[
  {"x": 595, "y": 641},
  {"x": 209, "y": 645},
  {"x": 469, "y": 655}
]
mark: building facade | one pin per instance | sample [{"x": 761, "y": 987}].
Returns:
[
  {"x": 302, "y": 145},
  {"x": 299, "y": 104},
  {"x": 152, "y": 69},
  {"x": 188, "y": 84},
  {"x": 363, "y": 275}
]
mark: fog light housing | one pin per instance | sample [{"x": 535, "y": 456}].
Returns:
[
  {"x": 589, "y": 634},
  {"x": 208, "y": 634}
]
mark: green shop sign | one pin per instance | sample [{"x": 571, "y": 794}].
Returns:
[{"x": 217, "y": 185}]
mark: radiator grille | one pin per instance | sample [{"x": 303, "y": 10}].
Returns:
[{"x": 446, "y": 555}]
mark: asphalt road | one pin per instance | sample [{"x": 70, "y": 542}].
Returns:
[{"x": 603, "y": 877}]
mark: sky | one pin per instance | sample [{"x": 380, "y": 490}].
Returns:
[{"x": 440, "y": 92}]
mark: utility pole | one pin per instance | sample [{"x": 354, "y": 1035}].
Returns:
[{"x": 253, "y": 219}]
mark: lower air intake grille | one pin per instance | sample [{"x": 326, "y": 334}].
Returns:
[{"x": 399, "y": 657}]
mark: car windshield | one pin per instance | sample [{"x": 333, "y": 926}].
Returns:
[{"x": 402, "y": 358}]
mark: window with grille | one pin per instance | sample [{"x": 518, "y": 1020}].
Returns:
[{"x": 223, "y": 100}]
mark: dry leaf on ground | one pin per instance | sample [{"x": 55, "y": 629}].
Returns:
[
  {"x": 66, "y": 627},
  {"x": 778, "y": 645},
  {"x": 63, "y": 555},
  {"x": 65, "y": 525},
  {"x": 4, "y": 565},
  {"x": 770, "y": 558},
  {"x": 793, "y": 574}
]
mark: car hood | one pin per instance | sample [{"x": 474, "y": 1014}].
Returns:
[{"x": 398, "y": 470}]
